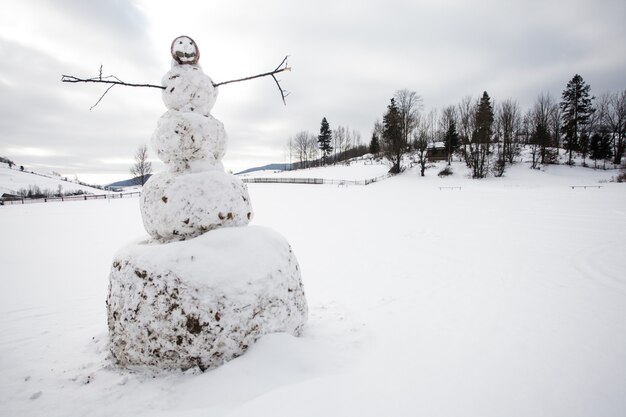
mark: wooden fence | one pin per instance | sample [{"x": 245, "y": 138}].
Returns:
[
  {"x": 81, "y": 197},
  {"x": 84, "y": 197},
  {"x": 277, "y": 180}
]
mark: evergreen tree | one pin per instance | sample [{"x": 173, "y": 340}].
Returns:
[
  {"x": 324, "y": 140},
  {"x": 594, "y": 148},
  {"x": 606, "y": 148},
  {"x": 394, "y": 145},
  {"x": 374, "y": 147},
  {"x": 600, "y": 148},
  {"x": 481, "y": 137},
  {"x": 583, "y": 146},
  {"x": 451, "y": 140},
  {"x": 577, "y": 109},
  {"x": 484, "y": 120},
  {"x": 539, "y": 139}
]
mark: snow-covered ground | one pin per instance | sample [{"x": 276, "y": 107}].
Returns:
[{"x": 504, "y": 298}]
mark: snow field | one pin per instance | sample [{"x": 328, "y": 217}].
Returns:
[{"x": 507, "y": 297}]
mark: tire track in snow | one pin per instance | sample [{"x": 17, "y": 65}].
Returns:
[{"x": 603, "y": 264}]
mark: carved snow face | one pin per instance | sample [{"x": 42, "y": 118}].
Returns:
[{"x": 185, "y": 51}]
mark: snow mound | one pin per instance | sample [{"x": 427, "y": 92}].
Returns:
[{"x": 201, "y": 302}]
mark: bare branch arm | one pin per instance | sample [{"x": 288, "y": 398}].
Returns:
[
  {"x": 105, "y": 80},
  {"x": 280, "y": 68},
  {"x": 113, "y": 81}
]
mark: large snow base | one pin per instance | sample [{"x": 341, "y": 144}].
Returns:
[{"x": 203, "y": 301}]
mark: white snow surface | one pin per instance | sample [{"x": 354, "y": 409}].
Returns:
[{"x": 504, "y": 298}]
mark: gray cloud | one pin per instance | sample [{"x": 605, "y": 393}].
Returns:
[{"x": 348, "y": 58}]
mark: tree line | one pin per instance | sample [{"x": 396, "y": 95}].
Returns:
[
  {"x": 330, "y": 146},
  {"x": 487, "y": 136}
]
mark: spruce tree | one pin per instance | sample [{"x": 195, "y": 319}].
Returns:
[
  {"x": 600, "y": 148},
  {"x": 324, "y": 140},
  {"x": 577, "y": 109},
  {"x": 484, "y": 120},
  {"x": 394, "y": 145},
  {"x": 481, "y": 137},
  {"x": 595, "y": 152},
  {"x": 374, "y": 147},
  {"x": 605, "y": 148},
  {"x": 451, "y": 140}
]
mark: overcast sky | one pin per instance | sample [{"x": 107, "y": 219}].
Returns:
[{"x": 348, "y": 58}]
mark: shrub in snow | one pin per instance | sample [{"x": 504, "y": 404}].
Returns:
[{"x": 445, "y": 172}]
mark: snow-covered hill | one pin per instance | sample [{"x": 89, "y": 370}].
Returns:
[
  {"x": 506, "y": 297},
  {"x": 12, "y": 180}
]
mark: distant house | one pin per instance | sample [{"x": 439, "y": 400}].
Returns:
[
  {"x": 436, "y": 152},
  {"x": 9, "y": 197}
]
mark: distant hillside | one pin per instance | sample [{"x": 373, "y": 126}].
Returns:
[
  {"x": 270, "y": 167},
  {"x": 127, "y": 183},
  {"x": 15, "y": 181}
]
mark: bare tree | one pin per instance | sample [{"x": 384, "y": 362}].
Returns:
[
  {"x": 305, "y": 147},
  {"x": 420, "y": 141},
  {"x": 466, "y": 115},
  {"x": 615, "y": 120},
  {"x": 409, "y": 105},
  {"x": 555, "y": 121},
  {"x": 339, "y": 138},
  {"x": 289, "y": 151},
  {"x": 541, "y": 126},
  {"x": 434, "y": 133},
  {"x": 508, "y": 116},
  {"x": 356, "y": 138},
  {"x": 142, "y": 168},
  {"x": 354, "y": 143},
  {"x": 312, "y": 149},
  {"x": 447, "y": 117},
  {"x": 349, "y": 141}
]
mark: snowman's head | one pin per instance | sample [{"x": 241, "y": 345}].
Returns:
[{"x": 185, "y": 51}]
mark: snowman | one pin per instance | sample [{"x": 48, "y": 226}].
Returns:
[
  {"x": 195, "y": 195},
  {"x": 205, "y": 286}
]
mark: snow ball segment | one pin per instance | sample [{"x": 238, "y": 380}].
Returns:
[{"x": 206, "y": 285}]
